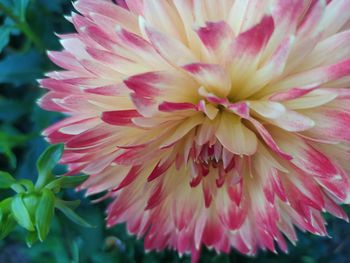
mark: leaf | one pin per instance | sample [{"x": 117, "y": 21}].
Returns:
[
  {"x": 9, "y": 139},
  {"x": 31, "y": 201},
  {"x": 47, "y": 161},
  {"x": 67, "y": 181},
  {"x": 5, "y": 205},
  {"x": 6, "y": 180},
  {"x": 7, "y": 225},
  {"x": 20, "y": 8},
  {"x": 10, "y": 156},
  {"x": 71, "y": 204},
  {"x": 4, "y": 36},
  {"x": 21, "y": 213},
  {"x": 73, "y": 181},
  {"x": 7, "y": 222},
  {"x": 69, "y": 213},
  {"x": 31, "y": 238},
  {"x": 75, "y": 252},
  {"x": 17, "y": 7},
  {"x": 6, "y": 2},
  {"x": 44, "y": 213},
  {"x": 28, "y": 184},
  {"x": 11, "y": 24},
  {"x": 18, "y": 69},
  {"x": 18, "y": 188}
]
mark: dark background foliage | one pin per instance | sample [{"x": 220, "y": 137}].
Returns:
[{"x": 26, "y": 30}]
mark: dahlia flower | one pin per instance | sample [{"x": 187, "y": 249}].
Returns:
[{"x": 223, "y": 124}]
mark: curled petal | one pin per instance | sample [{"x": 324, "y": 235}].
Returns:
[{"x": 235, "y": 137}]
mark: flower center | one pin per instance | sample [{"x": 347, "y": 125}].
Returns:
[{"x": 211, "y": 158}]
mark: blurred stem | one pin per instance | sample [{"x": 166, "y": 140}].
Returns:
[
  {"x": 23, "y": 26},
  {"x": 66, "y": 236}
]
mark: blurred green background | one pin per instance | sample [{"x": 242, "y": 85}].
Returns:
[{"x": 26, "y": 30}]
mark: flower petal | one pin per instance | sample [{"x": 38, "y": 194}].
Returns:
[
  {"x": 306, "y": 157},
  {"x": 120, "y": 118},
  {"x": 182, "y": 130},
  {"x": 312, "y": 99},
  {"x": 293, "y": 121},
  {"x": 331, "y": 124},
  {"x": 179, "y": 55},
  {"x": 213, "y": 77},
  {"x": 267, "y": 109},
  {"x": 234, "y": 136}
]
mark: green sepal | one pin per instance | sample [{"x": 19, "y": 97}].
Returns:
[
  {"x": 20, "y": 213},
  {"x": 46, "y": 163},
  {"x": 71, "y": 204},
  {"x": 7, "y": 225},
  {"x": 31, "y": 239},
  {"x": 6, "y": 180},
  {"x": 67, "y": 181},
  {"x": 44, "y": 213},
  {"x": 27, "y": 184},
  {"x": 70, "y": 214},
  {"x": 31, "y": 201},
  {"x": 5, "y": 205}
]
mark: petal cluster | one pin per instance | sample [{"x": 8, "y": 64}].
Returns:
[{"x": 223, "y": 124}]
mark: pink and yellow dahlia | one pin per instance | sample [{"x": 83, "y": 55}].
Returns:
[{"x": 222, "y": 124}]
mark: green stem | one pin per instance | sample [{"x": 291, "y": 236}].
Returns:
[{"x": 23, "y": 26}]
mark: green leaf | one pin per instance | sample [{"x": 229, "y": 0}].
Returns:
[
  {"x": 31, "y": 238},
  {"x": 71, "y": 214},
  {"x": 18, "y": 69},
  {"x": 75, "y": 252},
  {"x": 67, "y": 181},
  {"x": 20, "y": 8},
  {"x": 11, "y": 24},
  {"x": 17, "y": 7},
  {"x": 6, "y": 180},
  {"x": 6, "y": 2},
  {"x": 10, "y": 156},
  {"x": 21, "y": 213},
  {"x": 7, "y": 225},
  {"x": 4, "y": 36},
  {"x": 44, "y": 213},
  {"x": 9, "y": 139},
  {"x": 27, "y": 184},
  {"x": 47, "y": 161},
  {"x": 31, "y": 201},
  {"x": 7, "y": 222},
  {"x": 18, "y": 188},
  {"x": 71, "y": 204},
  {"x": 5, "y": 205}
]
